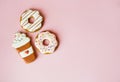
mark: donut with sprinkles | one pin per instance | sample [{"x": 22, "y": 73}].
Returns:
[{"x": 50, "y": 47}]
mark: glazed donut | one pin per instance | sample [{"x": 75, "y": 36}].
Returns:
[
  {"x": 27, "y": 24},
  {"x": 46, "y": 49}
]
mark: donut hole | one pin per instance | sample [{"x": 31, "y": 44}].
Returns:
[
  {"x": 46, "y": 42},
  {"x": 31, "y": 20}
]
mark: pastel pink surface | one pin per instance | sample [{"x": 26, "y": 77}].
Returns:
[{"x": 89, "y": 35}]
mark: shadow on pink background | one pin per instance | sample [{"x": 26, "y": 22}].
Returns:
[{"x": 89, "y": 34}]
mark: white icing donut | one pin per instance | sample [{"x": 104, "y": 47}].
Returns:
[
  {"x": 50, "y": 48},
  {"x": 31, "y": 26}
]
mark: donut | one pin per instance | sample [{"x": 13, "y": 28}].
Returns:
[
  {"x": 50, "y": 47},
  {"x": 31, "y": 20}
]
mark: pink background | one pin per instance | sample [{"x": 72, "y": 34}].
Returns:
[{"x": 89, "y": 35}]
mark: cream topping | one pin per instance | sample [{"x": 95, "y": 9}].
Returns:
[{"x": 20, "y": 40}]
